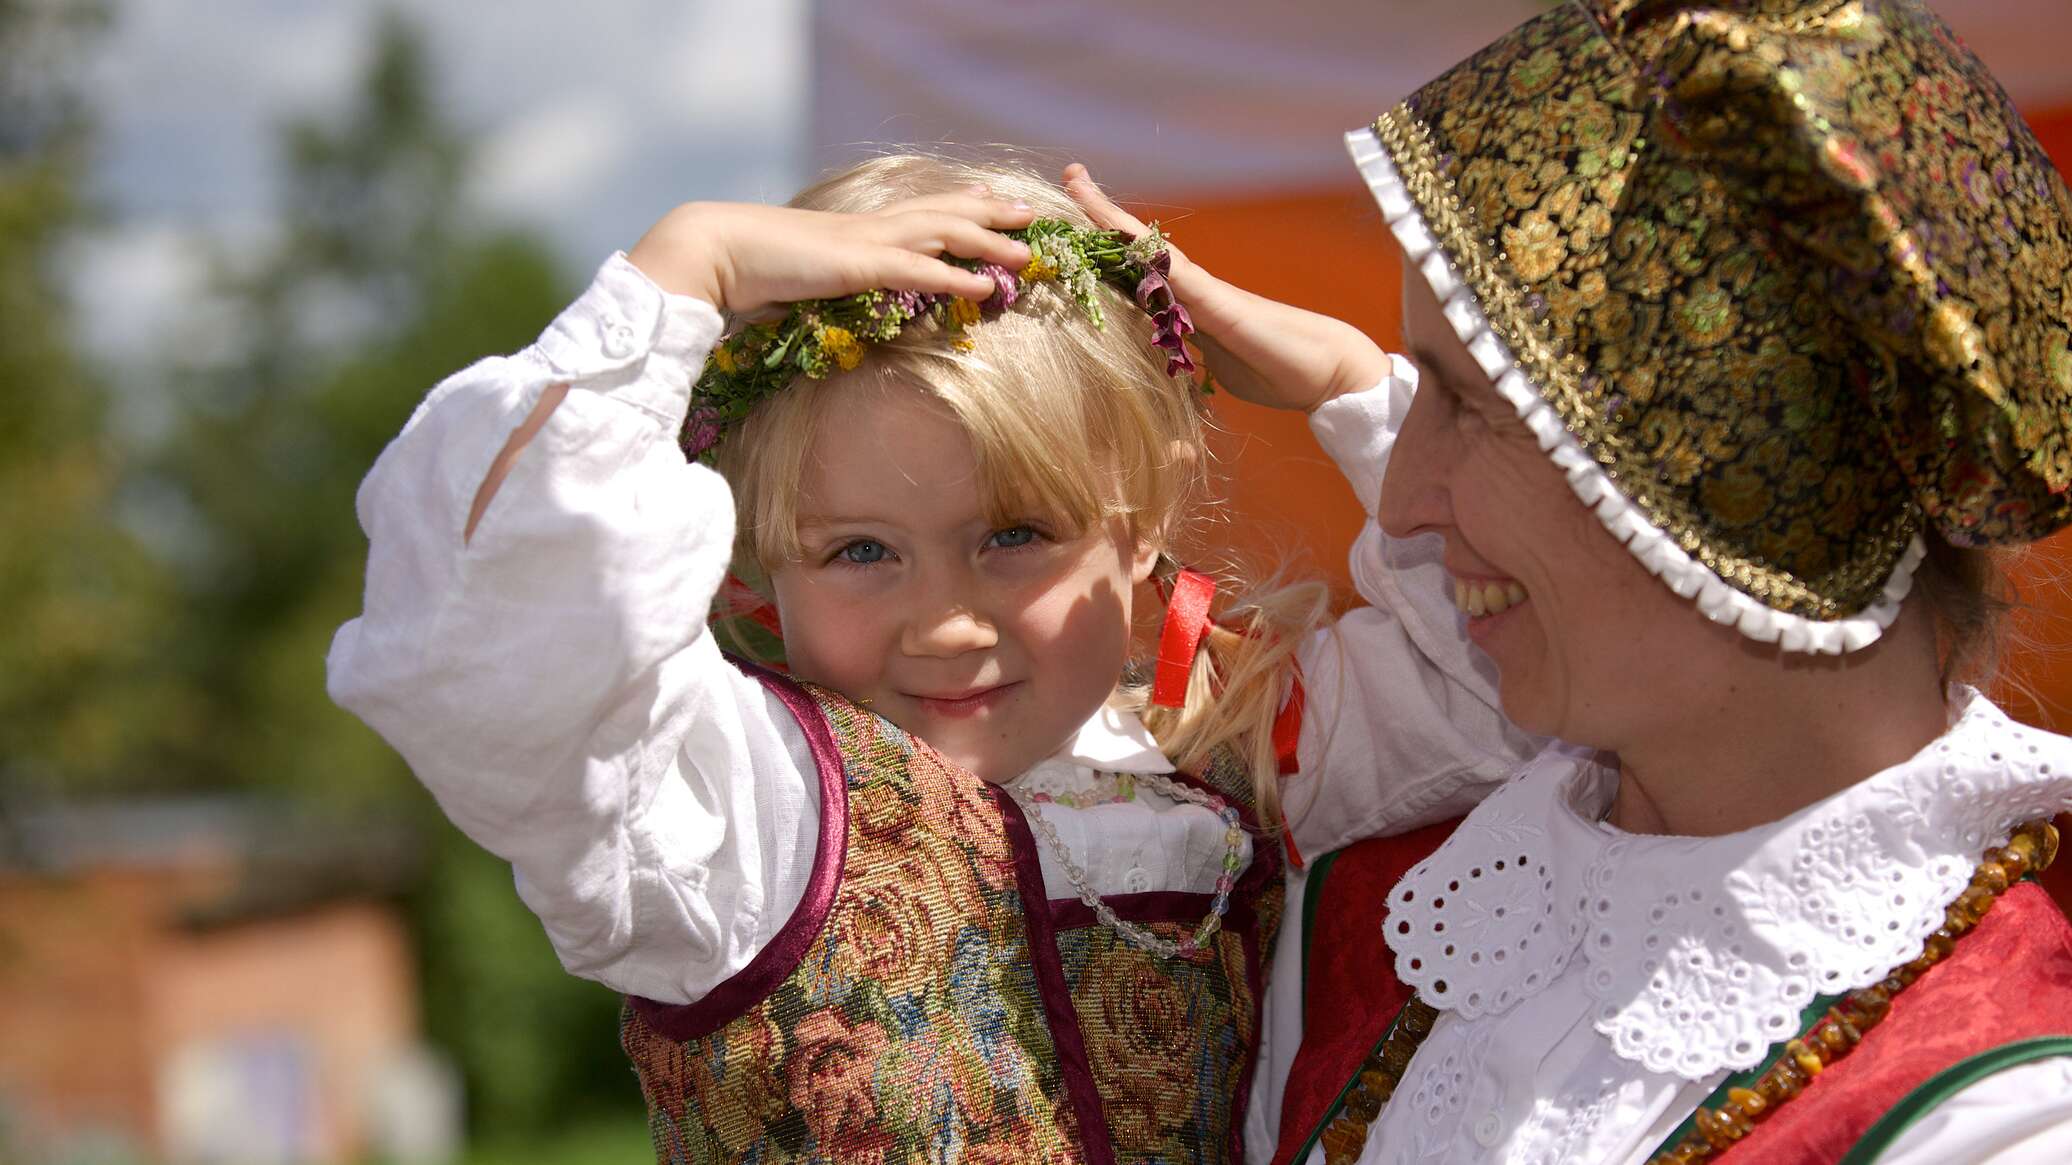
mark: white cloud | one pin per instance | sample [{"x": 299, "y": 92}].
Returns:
[
  {"x": 133, "y": 284},
  {"x": 589, "y": 121},
  {"x": 545, "y": 166},
  {"x": 742, "y": 67}
]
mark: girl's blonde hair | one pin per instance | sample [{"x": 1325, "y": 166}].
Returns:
[{"x": 1076, "y": 422}]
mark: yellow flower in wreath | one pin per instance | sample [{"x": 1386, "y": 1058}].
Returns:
[{"x": 841, "y": 344}]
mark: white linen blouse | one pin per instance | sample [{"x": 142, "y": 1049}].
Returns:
[
  {"x": 552, "y": 683},
  {"x": 1598, "y": 987}
]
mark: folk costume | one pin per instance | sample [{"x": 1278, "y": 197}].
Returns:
[
  {"x": 1780, "y": 286},
  {"x": 836, "y": 944}
]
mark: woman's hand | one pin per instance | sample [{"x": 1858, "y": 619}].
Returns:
[
  {"x": 1259, "y": 349},
  {"x": 746, "y": 259}
]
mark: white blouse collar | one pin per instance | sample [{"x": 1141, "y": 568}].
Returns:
[
  {"x": 1699, "y": 953},
  {"x": 1115, "y": 741}
]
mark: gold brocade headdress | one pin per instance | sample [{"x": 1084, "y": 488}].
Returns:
[{"x": 1776, "y": 284}]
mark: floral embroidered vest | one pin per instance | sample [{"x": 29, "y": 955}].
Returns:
[
  {"x": 927, "y": 1002},
  {"x": 2009, "y": 981}
]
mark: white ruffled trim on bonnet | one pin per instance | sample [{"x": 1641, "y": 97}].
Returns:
[{"x": 1716, "y": 599}]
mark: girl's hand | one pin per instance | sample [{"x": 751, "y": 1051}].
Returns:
[
  {"x": 1260, "y": 350},
  {"x": 746, "y": 259}
]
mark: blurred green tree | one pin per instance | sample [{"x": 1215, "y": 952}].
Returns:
[
  {"x": 82, "y": 698},
  {"x": 383, "y": 279}
]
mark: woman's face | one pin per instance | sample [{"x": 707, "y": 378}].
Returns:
[{"x": 1583, "y": 638}]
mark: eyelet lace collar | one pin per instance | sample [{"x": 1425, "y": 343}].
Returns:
[{"x": 1699, "y": 953}]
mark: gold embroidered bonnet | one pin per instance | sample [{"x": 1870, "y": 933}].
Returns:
[{"x": 1778, "y": 285}]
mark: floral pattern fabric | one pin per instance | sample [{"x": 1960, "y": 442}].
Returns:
[
  {"x": 1793, "y": 272},
  {"x": 915, "y": 1029},
  {"x": 1171, "y": 1041}
]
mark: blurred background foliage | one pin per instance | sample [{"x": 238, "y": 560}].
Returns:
[{"x": 171, "y": 587}]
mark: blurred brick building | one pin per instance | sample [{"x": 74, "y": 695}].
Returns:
[{"x": 208, "y": 981}]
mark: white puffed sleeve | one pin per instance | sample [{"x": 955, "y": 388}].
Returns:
[
  {"x": 550, "y": 680},
  {"x": 2017, "y": 1116}
]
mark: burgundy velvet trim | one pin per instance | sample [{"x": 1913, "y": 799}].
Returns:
[
  {"x": 1242, "y": 919},
  {"x": 1247, "y": 925},
  {"x": 1186, "y": 908},
  {"x": 1065, "y": 1037},
  {"x": 774, "y": 963},
  {"x": 1177, "y": 906}
]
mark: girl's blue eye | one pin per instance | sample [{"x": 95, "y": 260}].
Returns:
[
  {"x": 1012, "y": 537},
  {"x": 862, "y": 552}
]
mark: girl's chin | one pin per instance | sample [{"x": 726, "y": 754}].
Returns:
[{"x": 994, "y": 766}]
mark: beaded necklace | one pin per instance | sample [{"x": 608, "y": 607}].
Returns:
[
  {"x": 2030, "y": 850},
  {"x": 1135, "y": 935}
]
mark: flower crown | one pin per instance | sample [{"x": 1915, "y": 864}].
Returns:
[{"x": 817, "y": 336}]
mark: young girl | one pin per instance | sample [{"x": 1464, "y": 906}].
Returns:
[{"x": 963, "y": 891}]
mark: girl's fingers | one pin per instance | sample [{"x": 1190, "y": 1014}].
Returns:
[
  {"x": 913, "y": 271},
  {"x": 1080, "y": 185},
  {"x": 943, "y": 232},
  {"x": 986, "y": 210}
]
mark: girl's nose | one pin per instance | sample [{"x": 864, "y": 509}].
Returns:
[{"x": 947, "y": 628}]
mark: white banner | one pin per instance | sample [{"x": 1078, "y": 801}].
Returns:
[{"x": 1214, "y": 97}]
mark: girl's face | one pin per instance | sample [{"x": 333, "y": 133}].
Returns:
[{"x": 992, "y": 643}]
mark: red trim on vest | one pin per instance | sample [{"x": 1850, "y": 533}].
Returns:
[
  {"x": 1351, "y": 992},
  {"x": 1287, "y": 723},
  {"x": 775, "y": 962},
  {"x": 2009, "y": 979}
]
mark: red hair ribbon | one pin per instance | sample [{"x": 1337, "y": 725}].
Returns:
[
  {"x": 1186, "y": 621},
  {"x": 1287, "y": 731}
]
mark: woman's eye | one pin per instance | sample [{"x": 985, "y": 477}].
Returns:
[
  {"x": 1012, "y": 537},
  {"x": 862, "y": 552}
]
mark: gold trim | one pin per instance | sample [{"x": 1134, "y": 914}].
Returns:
[{"x": 1558, "y": 378}]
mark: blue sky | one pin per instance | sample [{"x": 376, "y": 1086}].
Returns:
[{"x": 590, "y": 121}]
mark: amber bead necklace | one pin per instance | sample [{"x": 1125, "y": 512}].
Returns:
[{"x": 2030, "y": 850}]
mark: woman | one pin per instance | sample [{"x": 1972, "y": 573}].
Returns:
[{"x": 1777, "y": 292}]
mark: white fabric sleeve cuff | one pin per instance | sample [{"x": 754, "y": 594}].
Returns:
[
  {"x": 627, "y": 336},
  {"x": 1359, "y": 429}
]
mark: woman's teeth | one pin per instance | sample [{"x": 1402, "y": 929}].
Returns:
[{"x": 1486, "y": 598}]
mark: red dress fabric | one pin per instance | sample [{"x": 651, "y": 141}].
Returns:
[
  {"x": 2009, "y": 979},
  {"x": 1350, "y": 991}
]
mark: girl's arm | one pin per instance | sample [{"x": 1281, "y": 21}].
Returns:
[
  {"x": 541, "y": 562},
  {"x": 1401, "y": 725}
]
